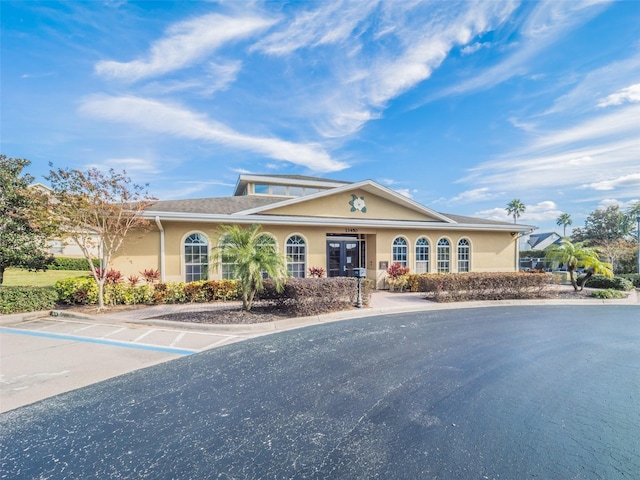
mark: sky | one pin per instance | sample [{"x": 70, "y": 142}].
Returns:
[{"x": 461, "y": 106}]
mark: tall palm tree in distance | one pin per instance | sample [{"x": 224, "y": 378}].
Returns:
[
  {"x": 516, "y": 208},
  {"x": 564, "y": 220}
]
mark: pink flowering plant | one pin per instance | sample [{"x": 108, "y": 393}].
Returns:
[
  {"x": 316, "y": 272},
  {"x": 398, "y": 277}
]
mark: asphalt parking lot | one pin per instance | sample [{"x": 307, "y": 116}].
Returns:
[{"x": 489, "y": 393}]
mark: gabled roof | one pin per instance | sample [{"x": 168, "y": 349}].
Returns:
[
  {"x": 366, "y": 185},
  {"x": 248, "y": 209}
]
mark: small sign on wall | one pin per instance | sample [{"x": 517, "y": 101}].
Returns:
[{"x": 383, "y": 265}]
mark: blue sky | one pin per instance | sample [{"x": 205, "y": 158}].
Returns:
[{"x": 462, "y": 106}]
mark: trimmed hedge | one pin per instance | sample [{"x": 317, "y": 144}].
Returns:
[
  {"x": 632, "y": 277},
  {"x": 616, "y": 283},
  {"x": 67, "y": 263},
  {"x": 84, "y": 291},
  {"x": 314, "y": 296},
  {"x": 26, "y": 299},
  {"x": 457, "y": 287}
]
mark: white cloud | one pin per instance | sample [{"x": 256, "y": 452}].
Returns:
[
  {"x": 407, "y": 192},
  {"x": 475, "y": 195},
  {"x": 177, "y": 121},
  {"x": 185, "y": 42},
  {"x": 133, "y": 166},
  {"x": 632, "y": 180},
  {"x": 411, "y": 40},
  {"x": 615, "y": 124},
  {"x": 549, "y": 21},
  {"x": 540, "y": 212},
  {"x": 473, "y": 48},
  {"x": 332, "y": 22},
  {"x": 612, "y": 77},
  {"x": 629, "y": 94},
  {"x": 581, "y": 154},
  {"x": 220, "y": 76},
  {"x": 612, "y": 202}
]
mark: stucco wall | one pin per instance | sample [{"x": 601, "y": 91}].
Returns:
[
  {"x": 490, "y": 251},
  {"x": 337, "y": 206}
]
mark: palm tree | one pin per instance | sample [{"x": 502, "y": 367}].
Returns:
[
  {"x": 564, "y": 220},
  {"x": 253, "y": 258},
  {"x": 576, "y": 255},
  {"x": 516, "y": 208}
]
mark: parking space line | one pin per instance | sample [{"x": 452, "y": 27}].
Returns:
[
  {"x": 114, "y": 332},
  {"x": 100, "y": 341},
  {"x": 84, "y": 328},
  {"x": 177, "y": 339},
  {"x": 148, "y": 332}
]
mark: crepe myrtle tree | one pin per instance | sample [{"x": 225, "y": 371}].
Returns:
[
  {"x": 25, "y": 225},
  {"x": 574, "y": 256},
  {"x": 252, "y": 258},
  {"x": 96, "y": 210}
]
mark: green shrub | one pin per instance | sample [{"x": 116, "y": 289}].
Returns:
[
  {"x": 67, "y": 263},
  {"x": 83, "y": 291},
  {"x": 617, "y": 283},
  {"x": 632, "y": 277},
  {"x": 314, "y": 296},
  {"x": 127, "y": 294},
  {"x": 456, "y": 287},
  {"x": 607, "y": 294},
  {"x": 26, "y": 299}
]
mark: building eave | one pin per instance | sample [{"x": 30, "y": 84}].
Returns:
[{"x": 331, "y": 222}]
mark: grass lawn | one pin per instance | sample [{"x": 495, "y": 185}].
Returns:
[{"x": 16, "y": 277}]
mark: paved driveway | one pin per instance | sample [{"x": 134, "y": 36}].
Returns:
[{"x": 491, "y": 393}]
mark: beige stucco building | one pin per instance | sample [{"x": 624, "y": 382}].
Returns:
[{"x": 314, "y": 222}]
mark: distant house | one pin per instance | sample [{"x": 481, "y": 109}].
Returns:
[
  {"x": 62, "y": 247},
  {"x": 537, "y": 242},
  {"x": 316, "y": 222},
  {"x": 541, "y": 241}
]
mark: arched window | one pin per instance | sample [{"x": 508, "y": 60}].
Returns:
[
  {"x": 296, "y": 256},
  {"x": 443, "y": 256},
  {"x": 266, "y": 241},
  {"x": 422, "y": 255},
  {"x": 464, "y": 255},
  {"x": 227, "y": 266},
  {"x": 399, "y": 251},
  {"x": 196, "y": 257}
]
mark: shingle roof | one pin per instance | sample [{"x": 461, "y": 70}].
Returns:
[
  {"x": 214, "y": 205},
  {"x": 476, "y": 221}
]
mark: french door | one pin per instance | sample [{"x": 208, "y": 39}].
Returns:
[{"x": 342, "y": 257}]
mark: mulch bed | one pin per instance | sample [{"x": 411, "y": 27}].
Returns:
[{"x": 228, "y": 316}]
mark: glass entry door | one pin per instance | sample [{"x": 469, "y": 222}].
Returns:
[{"x": 342, "y": 257}]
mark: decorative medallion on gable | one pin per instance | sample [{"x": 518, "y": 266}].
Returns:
[{"x": 357, "y": 204}]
